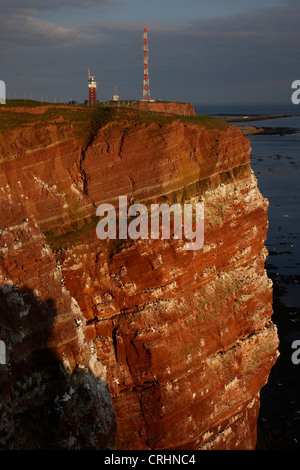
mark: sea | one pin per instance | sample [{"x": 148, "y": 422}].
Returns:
[{"x": 275, "y": 160}]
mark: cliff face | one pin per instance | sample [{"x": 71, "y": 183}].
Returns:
[
  {"x": 185, "y": 109},
  {"x": 155, "y": 346}
]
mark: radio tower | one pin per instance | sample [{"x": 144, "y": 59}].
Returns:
[{"x": 146, "y": 85}]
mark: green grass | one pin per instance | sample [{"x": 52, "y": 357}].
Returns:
[
  {"x": 33, "y": 103},
  {"x": 23, "y": 103},
  {"x": 84, "y": 231},
  {"x": 12, "y": 120},
  {"x": 88, "y": 120},
  {"x": 78, "y": 118},
  {"x": 99, "y": 117},
  {"x": 206, "y": 121}
]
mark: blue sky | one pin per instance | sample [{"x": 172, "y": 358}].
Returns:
[{"x": 203, "y": 51}]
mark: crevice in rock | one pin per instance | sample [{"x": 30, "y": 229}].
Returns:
[
  {"x": 115, "y": 343},
  {"x": 83, "y": 173}
]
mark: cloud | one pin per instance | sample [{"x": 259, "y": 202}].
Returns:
[
  {"x": 21, "y": 32},
  {"x": 25, "y": 6},
  {"x": 22, "y": 26},
  {"x": 250, "y": 56},
  {"x": 278, "y": 21}
]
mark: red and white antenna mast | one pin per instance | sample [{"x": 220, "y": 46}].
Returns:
[{"x": 146, "y": 85}]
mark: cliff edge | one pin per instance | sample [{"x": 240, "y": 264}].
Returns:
[{"x": 132, "y": 344}]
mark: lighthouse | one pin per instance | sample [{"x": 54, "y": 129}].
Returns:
[{"x": 92, "y": 89}]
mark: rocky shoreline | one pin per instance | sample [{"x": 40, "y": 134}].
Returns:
[
  {"x": 253, "y": 130},
  {"x": 259, "y": 117}
]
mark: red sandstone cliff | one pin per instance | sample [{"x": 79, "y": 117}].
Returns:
[
  {"x": 184, "y": 109},
  {"x": 156, "y": 347}
]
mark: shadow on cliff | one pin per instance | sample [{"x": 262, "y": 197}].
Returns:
[{"x": 42, "y": 404}]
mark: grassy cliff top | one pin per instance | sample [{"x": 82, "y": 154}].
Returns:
[{"x": 88, "y": 120}]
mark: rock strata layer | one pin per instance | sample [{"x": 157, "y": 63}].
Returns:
[
  {"x": 184, "y": 109},
  {"x": 121, "y": 343}
]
